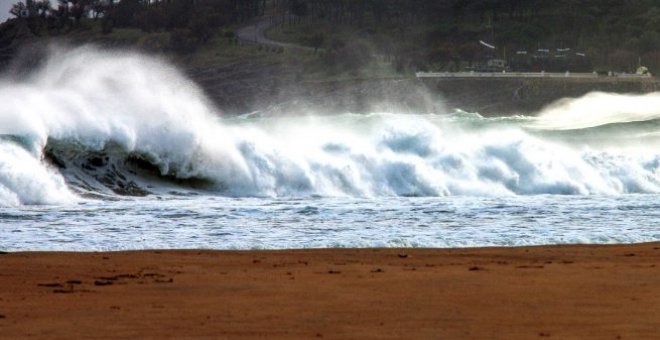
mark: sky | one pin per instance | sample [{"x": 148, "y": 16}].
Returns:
[{"x": 5, "y": 6}]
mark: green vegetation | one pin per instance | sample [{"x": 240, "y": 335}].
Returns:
[
  {"x": 188, "y": 24},
  {"x": 354, "y": 38},
  {"x": 196, "y": 33},
  {"x": 444, "y": 34}
]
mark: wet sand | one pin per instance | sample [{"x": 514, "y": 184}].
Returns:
[{"x": 562, "y": 292}]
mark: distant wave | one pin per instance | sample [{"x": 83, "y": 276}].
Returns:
[
  {"x": 599, "y": 108},
  {"x": 100, "y": 124}
]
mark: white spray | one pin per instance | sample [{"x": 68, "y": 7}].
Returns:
[{"x": 92, "y": 98}]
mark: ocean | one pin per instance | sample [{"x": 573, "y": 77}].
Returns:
[{"x": 113, "y": 151}]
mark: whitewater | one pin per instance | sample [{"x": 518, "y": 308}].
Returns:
[{"x": 107, "y": 150}]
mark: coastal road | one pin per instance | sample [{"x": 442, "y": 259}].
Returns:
[{"x": 255, "y": 32}]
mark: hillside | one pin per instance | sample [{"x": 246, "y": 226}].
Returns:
[
  {"x": 353, "y": 51},
  {"x": 445, "y": 35},
  {"x": 350, "y": 35}
]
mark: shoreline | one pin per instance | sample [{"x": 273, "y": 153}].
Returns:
[{"x": 559, "y": 291}]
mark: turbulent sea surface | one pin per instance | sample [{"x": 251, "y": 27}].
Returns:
[{"x": 108, "y": 151}]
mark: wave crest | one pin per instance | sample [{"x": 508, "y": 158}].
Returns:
[{"x": 94, "y": 123}]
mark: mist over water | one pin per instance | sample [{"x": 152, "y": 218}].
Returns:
[{"x": 92, "y": 128}]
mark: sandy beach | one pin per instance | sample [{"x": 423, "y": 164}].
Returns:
[{"x": 563, "y": 292}]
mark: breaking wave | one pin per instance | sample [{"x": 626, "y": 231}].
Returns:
[{"x": 89, "y": 123}]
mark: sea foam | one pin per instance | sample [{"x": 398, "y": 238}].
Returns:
[{"x": 84, "y": 102}]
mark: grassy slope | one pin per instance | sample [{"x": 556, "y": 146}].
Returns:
[
  {"x": 221, "y": 50},
  {"x": 380, "y": 65}
]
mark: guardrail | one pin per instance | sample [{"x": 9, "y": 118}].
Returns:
[{"x": 581, "y": 75}]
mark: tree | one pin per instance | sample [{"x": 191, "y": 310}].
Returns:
[
  {"x": 31, "y": 8},
  {"x": 78, "y": 9},
  {"x": 298, "y": 8},
  {"x": 649, "y": 41},
  {"x": 100, "y": 7},
  {"x": 19, "y": 10}
]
